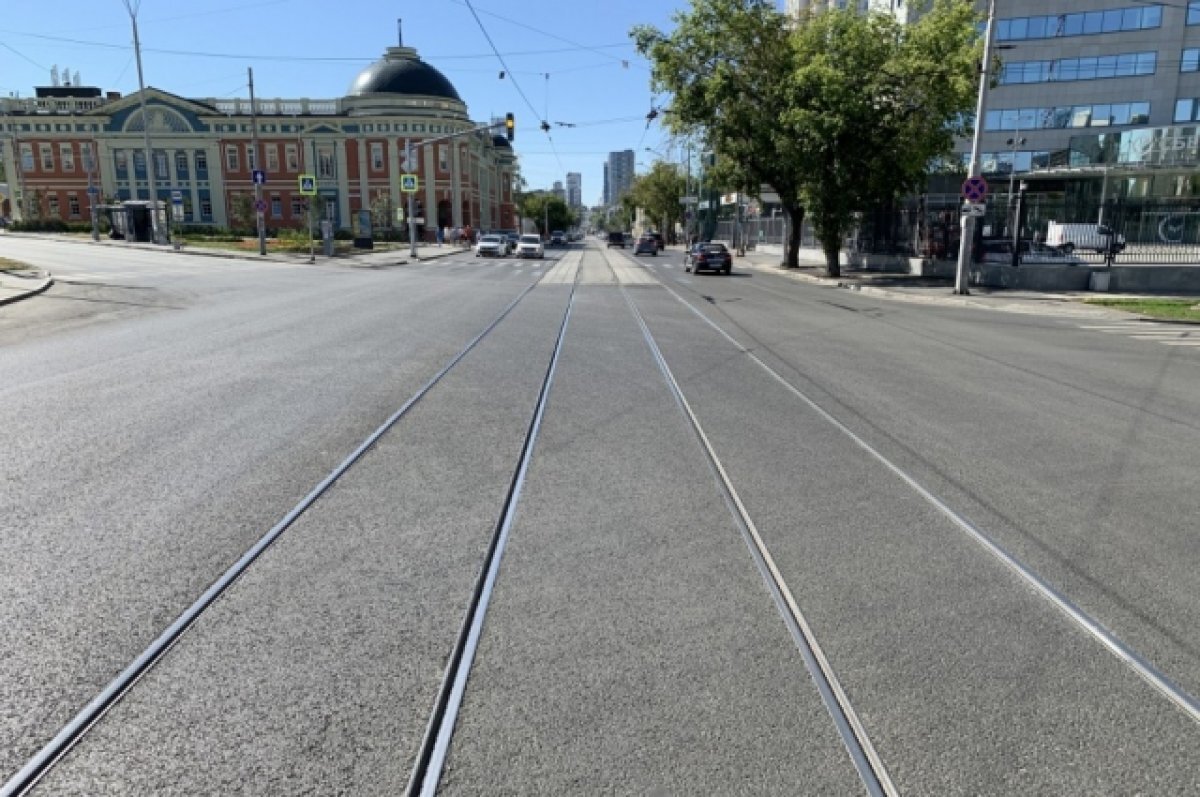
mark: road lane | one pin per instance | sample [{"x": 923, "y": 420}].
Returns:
[
  {"x": 143, "y": 457},
  {"x": 631, "y": 646},
  {"x": 316, "y": 671}
]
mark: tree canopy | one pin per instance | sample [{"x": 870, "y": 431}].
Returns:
[
  {"x": 658, "y": 193},
  {"x": 540, "y": 206},
  {"x": 838, "y": 112}
]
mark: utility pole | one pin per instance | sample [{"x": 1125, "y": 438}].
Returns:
[
  {"x": 967, "y": 242},
  {"x": 412, "y": 220},
  {"x": 258, "y": 166},
  {"x": 92, "y": 191},
  {"x": 18, "y": 202},
  {"x": 132, "y": 8}
]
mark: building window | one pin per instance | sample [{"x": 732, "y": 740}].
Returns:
[
  {"x": 86, "y": 151},
  {"x": 1193, "y": 13},
  {"x": 273, "y": 158},
  {"x": 205, "y": 209},
  {"x": 161, "y": 165},
  {"x": 1068, "y": 116},
  {"x": 188, "y": 208},
  {"x": 250, "y": 159},
  {"x": 66, "y": 157},
  {"x": 1090, "y": 68},
  {"x": 201, "y": 162},
  {"x": 139, "y": 161},
  {"x": 297, "y": 208},
  {"x": 443, "y": 158},
  {"x": 26, "y": 157},
  {"x": 293, "y": 159},
  {"x": 73, "y": 206},
  {"x": 276, "y": 207},
  {"x": 1185, "y": 110},
  {"x": 47, "y": 153},
  {"x": 52, "y": 203},
  {"x": 325, "y": 162},
  {"x": 231, "y": 159},
  {"x": 181, "y": 162},
  {"x": 1189, "y": 61},
  {"x": 1141, "y": 17},
  {"x": 377, "y": 157}
]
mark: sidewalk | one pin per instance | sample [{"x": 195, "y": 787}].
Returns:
[
  {"x": 927, "y": 290},
  {"x": 399, "y": 256}
]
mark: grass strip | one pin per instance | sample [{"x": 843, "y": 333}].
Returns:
[{"x": 1169, "y": 309}]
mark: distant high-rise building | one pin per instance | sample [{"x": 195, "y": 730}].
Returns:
[
  {"x": 575, "y": 189},
  {"x": 559, "y": 191},
  {"x": 605, "y": 195},
  {"x": 620, "y": 175}
]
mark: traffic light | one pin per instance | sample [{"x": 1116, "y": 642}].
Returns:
[{"x": 510, "y": 126}]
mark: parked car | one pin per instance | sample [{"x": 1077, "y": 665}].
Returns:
[
  {"x": 530, "y": 246},
  {"x": 558, "y": 238},
  {"x": 709, "y": 257},
  {"x": 1033, "y": 253},
  {"x": 491, "y": 246},
  {"x": 646, "y": 246},
  {"x": 616, "y": 239}
]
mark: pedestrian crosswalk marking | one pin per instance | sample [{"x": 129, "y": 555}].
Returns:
[{"x": 1167, "y": 334}]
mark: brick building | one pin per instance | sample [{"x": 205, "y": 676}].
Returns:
[{"x": 69, "y": 138}]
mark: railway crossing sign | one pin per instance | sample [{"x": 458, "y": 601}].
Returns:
[
  {"x": 974, "y": 189},
  {"x": 408, "y": 183},
  {"x": 308, "y": 185}
]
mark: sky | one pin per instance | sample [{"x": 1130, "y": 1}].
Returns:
[{"x": 568, "y": 61}]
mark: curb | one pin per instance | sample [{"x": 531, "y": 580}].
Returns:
[{"x": 46, "y": 283}]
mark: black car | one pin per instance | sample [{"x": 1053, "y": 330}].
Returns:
[
  {"x": 646, "y": 245},
  {"x": 616, "y": 239},
  {"x": 709, "y": 257}
]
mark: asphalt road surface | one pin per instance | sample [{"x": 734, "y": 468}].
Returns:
[{"x": 668, "y": 533}]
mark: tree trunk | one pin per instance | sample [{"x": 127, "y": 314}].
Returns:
[
  {"x": 831, "y": 244},
  {"x": 795, "y": 216}
]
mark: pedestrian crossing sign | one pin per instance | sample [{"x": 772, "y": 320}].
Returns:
[
  {"x": 308, "y": 185},
  {"x": 408, "y": 183}
]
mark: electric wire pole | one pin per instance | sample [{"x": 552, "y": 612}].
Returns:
[
  {"x": 967, "y": 241},
  {"x": 257, "y": 167},
  {"x": 148, "y": 154}
]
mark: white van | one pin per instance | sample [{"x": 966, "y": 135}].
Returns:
[{"x": 1080, "y": 236}]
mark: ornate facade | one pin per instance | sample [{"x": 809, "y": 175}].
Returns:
[{"x": 68, "y": 140}]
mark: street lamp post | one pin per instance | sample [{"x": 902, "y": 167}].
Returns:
[
  {"x": 968, "y": 222},
  {"x": 132, "y": 7}
]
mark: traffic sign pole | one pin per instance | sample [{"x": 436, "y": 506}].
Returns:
[
  {"x": 967, "y": 241},
  {"x": 262, "y": 229},
  {"x": 412, "y": 217}
]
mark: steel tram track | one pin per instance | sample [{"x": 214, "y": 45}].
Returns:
[
  {"x": 434, "y": 748},
  {"x": 27, "y": 777},
  {"x": 1135, "y": 661},
  {"x": 866, "y": 760}
]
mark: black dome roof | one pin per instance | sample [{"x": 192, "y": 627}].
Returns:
[
  {"x": 402, "y": 72},
  {"x": 501, "y": 141}
]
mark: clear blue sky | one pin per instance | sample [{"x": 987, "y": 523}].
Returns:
[{"x": 580, "y": 44}]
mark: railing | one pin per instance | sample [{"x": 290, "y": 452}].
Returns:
[{"x": 240, "y": 107}]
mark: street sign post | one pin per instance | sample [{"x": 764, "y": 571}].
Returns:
[
  {"x": 409, "y": 183},
  {"x": 308, "y": 185},
  {"x": 974, "y": 189},
  {"x": 688, "y": 200},
  {"x": 260, "y": 205},
  {"x": 260, "y": 177},
  {"x": 974, "y": 209}
]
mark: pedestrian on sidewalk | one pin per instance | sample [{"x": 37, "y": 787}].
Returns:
[{"x": 439, "y": 234}]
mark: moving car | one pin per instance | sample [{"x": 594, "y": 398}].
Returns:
[
  {"x": 558, "y": 238},
  {"x": 658, "y": 238},
  {"x": 709, "y": 257},
  {"x": 530, "y": 246},
  {"x": 491, "y": 246},
  {"x": 646, "y": 245},
  {"x": 1095, "y": 237},
  {"x": 616, "y": 239}
]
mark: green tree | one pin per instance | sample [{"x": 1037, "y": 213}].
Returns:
[
  {"x": 541, "y": 207},
  {"x": 241, "y": 212},
  {"x": 658, "y": 193},
  {"x": 838, "y": 113}
]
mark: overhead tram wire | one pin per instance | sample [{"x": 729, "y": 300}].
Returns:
[{"x": 545, "y": 125}]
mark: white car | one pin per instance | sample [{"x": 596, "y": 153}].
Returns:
[
  {"x": 531, "y": 246},
  {"x": 491, "y": 246}
]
